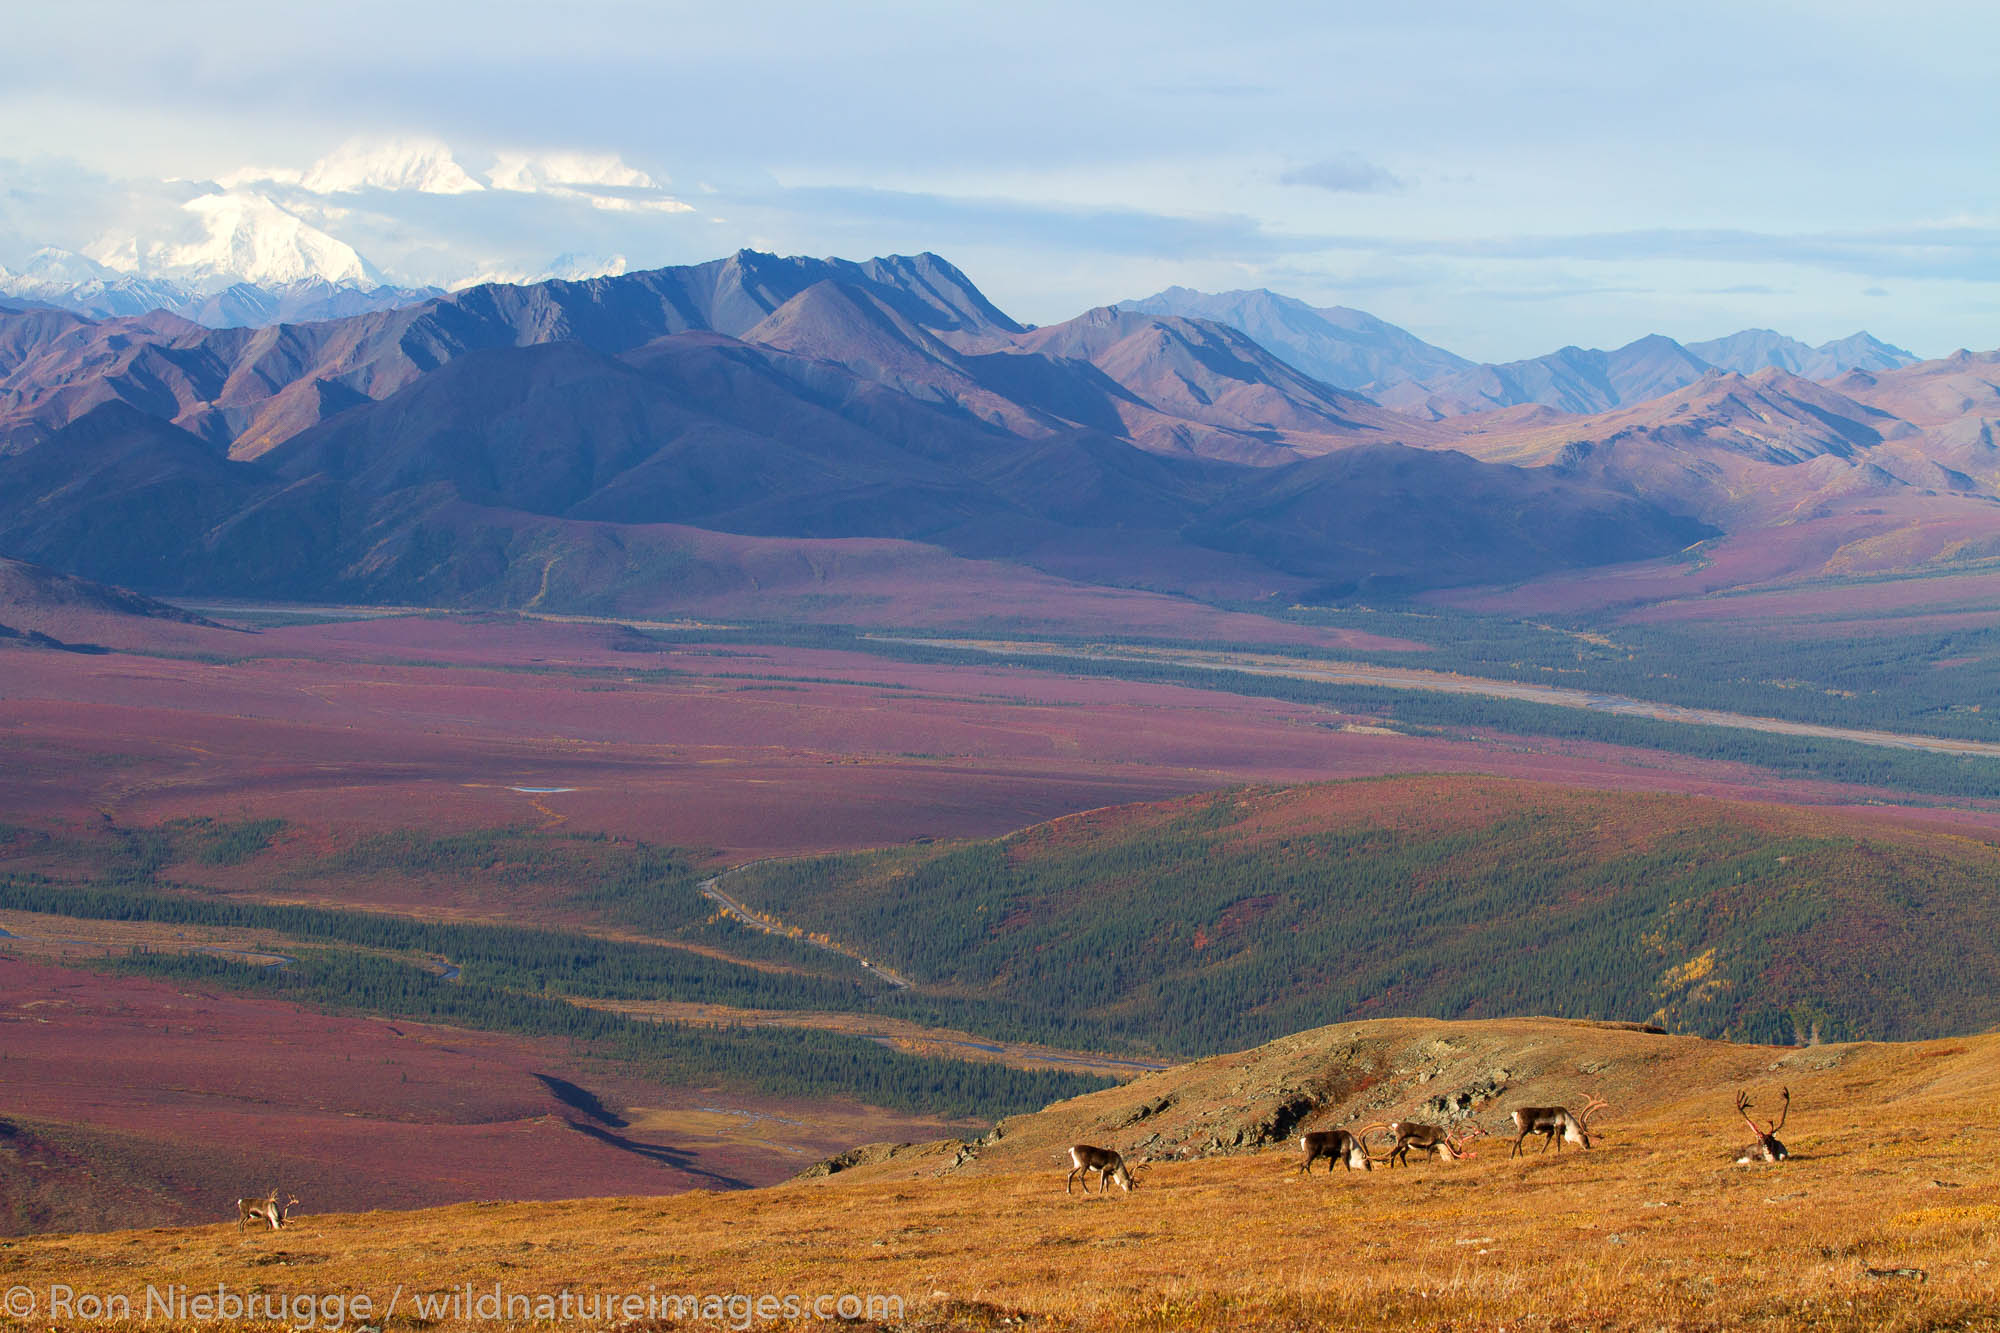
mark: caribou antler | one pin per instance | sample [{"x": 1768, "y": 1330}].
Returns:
[
  {"x": 1766, "y": 1148},
  {"x": 1449, "y": 1145},
  {"x": 1361, "y": 1137},
  {"x": 1555, "y": 1124},
  {"x": 1463, "y": 1135}
]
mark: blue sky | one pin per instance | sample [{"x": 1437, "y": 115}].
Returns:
[{"x": 1501, "y": 179}]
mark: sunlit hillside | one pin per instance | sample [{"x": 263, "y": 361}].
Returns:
[{"x": 1887, "y": 1214}]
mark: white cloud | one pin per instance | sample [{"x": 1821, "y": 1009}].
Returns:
[
  {"x": 424, "y": 166},
  {"x": 621, "y": 203},
  {"x": 533, "y": 173},
  {"x": 602, "y": 180},
  {"x": 242, "y": 176}
]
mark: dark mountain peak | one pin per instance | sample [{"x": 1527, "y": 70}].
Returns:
[
  {"x": 837, "y": 307},
  {"x": 1107, "y": 335},
  {"x": 116, "y": 423},
  {"x": 924, "y": 288},
  {"x": 730, "y": 295},
  {"x": 945, "y": 289},
  {"x": 840, "y": 321}
]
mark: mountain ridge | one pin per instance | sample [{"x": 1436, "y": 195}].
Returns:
[
  {"x": 1347, "y": 348},
  {"x": 448, "y": 448},
  {"x": 1355, "y": 350}
]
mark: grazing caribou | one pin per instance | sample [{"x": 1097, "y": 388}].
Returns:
[
  {"x": 1449, "y": 1145},
  {"x": 1766, "y": 1148},
  {"x": 1556, "y": 1124},
  {"x": 1109, "y": 1167},
  {"x": 266, "y": 1209},
  {"x": 1336, "y": 1145}
]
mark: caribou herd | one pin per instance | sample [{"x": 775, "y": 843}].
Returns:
[{"x": 1556, "y": 1124}]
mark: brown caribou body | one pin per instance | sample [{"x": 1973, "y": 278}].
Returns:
[
  {"x": 1556, "y": 1124},
  {"x": 1448, "y": 1145},
  {"x": 1336, "y": 1145},
  {"x": 1083, "y": 1159},
  {"x": 266, "y": 1209}
]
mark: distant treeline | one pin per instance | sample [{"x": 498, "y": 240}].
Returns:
[
  {"x": 787, "y": 1062},
  {"x": 652, "y": 888},
  {"x": 1186, "y": 938},
  {"x": 516, "y": 957}
]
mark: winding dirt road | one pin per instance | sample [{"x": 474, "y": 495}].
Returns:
[{"x": 748, "y": 916}]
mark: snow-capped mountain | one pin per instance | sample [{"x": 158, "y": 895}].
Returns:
[
  {"x": 235, "y": 258},
  {"x": 77, "y": 282},
  {"x": 231, "y": 257},
  {"x": 563, "y": 268},
  {"x": 278, "y": 243},
  {"x": 70, "y": 281},
  {"x": 248, "y": 238}
]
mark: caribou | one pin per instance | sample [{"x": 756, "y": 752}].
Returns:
[
  {"x": 1336, "y": 1145},
  {"x": 1449, "y": 1145},
  {"x": 1765, "y": 1147},
  {"x": 1109, "y": 1166},
  {"x": 1555, "y": 1124},
  {"x": 266, "y": 1209}
]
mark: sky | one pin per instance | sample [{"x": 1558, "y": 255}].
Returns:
[{"x": 1499, "y": 179}]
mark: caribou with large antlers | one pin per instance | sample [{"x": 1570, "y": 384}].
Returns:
[
  {"x": 1556, "y": 1124},
  {"x": 1766, "y": 1148},
  {"x": 266, "y": 1209},
  {"x": 1449, "y": 1145},
  {"x": 1336, "y": 1145}
]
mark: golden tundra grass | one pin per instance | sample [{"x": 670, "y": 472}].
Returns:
[{"x": 1893, "y": 1169}]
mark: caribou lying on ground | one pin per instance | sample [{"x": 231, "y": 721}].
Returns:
[{"x": 1766, "y": 1148}]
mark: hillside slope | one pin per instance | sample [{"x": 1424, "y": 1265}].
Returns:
[
  {"x": 63, "y": 611},
  {"x": 1883, "y": 1217},
  {"x": 1214, "y": 921}
]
